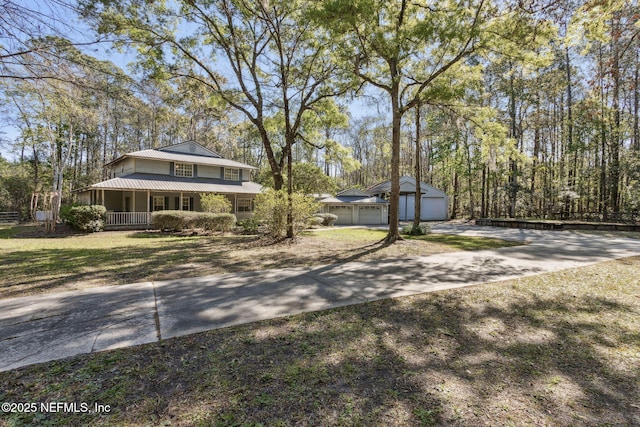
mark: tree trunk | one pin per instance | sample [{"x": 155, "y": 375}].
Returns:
[
  {"x": 394, "y": 199},
  {"x": 614, "y": 181},
  {"x": 472, "y": 208},
  {"x": 536, "y": 154},
  {"x": 484, "y": 191},
  {"x": 289, "y": 149},
  {"x": 513, "y": 167},
  {"x": 571, "y": 169},
  {"x": 636, "y": 105},
  {"x": 418, "y": 202}
]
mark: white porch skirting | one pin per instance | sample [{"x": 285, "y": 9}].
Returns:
[{"x": 128, "y": 218}]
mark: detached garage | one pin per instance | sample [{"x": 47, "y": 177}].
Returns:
[
  {"x": 434, "y": 202},
  {"x": 353, "y": 207}
]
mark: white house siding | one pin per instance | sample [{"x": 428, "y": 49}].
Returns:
[
  {"x": 205, "y": 171},
  {"x": 152, "y": 166},
  {"x": 188, "y": 147},
  {"x": 126, "y": 167}
]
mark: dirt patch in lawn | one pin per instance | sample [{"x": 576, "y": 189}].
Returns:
[{"x": 556, "y": 349}]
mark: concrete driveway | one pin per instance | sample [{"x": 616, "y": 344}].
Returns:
[{"x": 53, "y": 326}]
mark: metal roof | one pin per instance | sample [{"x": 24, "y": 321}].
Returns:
[
  {"x": 407, "y": 185},
  {"x": 170, "y": 156},
  {"x": 341, "y": 200},
  {"x": 143, "y": 182},
  {"x": 353, "y": 192}
]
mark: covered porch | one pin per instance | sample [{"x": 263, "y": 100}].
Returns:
[{"x": 133, "y": 208}]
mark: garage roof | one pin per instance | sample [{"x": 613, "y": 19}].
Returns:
[
  {"x": 341, "y": 200},
  {"x": 407, "y": 185}
]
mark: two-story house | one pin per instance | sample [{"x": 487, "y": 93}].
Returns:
[{"x": 170, "y": 178}]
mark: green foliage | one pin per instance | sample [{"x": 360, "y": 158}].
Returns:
[
  {"x": 272, "y": 207},
  {"x": 309, "y": 179},
  {"x": 314, "y": 221},
  {"x": 181, "y": 220},
  {"x": 265, "y": 177},
  {"x": 170, "y": 220},
  {"x": 65, "y": 212},
  {"x": 213, "y": 222},
  {"x": 15, "y": 187},
  {"x": 420, "y": 230},
  {"x": 215, "y": 203},
  {"x": 328, "y": 219},
  {"x": 249, "y": 225},
  {"x": 88, "y": 218}
]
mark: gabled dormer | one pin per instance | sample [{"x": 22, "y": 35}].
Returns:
[{"x": 192, "y": 148}]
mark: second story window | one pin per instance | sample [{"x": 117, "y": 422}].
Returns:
[
  {"x": 231, "y": 174},
  {"x": 183, "y": 169}
]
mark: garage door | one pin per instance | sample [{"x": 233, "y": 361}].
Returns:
[
  {"x": 434, "y": 209},
  {"x": 344, "y": 213},
  {"x": 370, "y": 215},
  {"x": 403, "y": 212}
]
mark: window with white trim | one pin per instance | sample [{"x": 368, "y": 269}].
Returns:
[
  {"x": 231, "y": 174},
  {"x": 245, "y": 205},
  {"x": 183, "y": 169},
  {"x": 186, "y": 203},
  {"x": 158, "y": 203}
]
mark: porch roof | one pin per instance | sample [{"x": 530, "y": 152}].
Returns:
[{"x": 144, "y": 182}]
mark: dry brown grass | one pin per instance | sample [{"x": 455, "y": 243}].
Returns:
[
  {"x": 35, "y": 265},
  {"x": 556, "y": 349}
]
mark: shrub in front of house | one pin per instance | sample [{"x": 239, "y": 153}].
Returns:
[
  {"x": 171, "y": 220},
  {"x": 421, "y": 230},
  {"x": 65, "y": 212},
  {"x": 91, "y": 218},
  {"x": 182, "y": 220},
  {"x": 328, "y": 219},
  {"x": 272, "y": 207},
  {"x": 215, "y": 203},
  {"x": 314, "y": 221},
  {"x": 213, "y": 221},
  {"x": 249, "y": 225}
]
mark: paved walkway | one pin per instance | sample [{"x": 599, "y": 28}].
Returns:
[{"x": 53, "y": 326}]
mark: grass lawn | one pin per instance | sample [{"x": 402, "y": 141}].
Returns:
[
  {"x": 30, "y": 265},
  {"x": 555, "y": 349}
]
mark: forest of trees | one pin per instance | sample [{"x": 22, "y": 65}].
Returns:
[{"x": 526, "y": 110}]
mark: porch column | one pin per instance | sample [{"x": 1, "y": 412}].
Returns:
[
  {"x": 103, "y": 197},
  {"x": 180, "y": 201},
  {"x": 133, "y": 201},
  {"x": 148, "y": 205}
]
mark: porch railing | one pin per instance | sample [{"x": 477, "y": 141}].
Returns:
[{"x": 128, "y": 218}]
